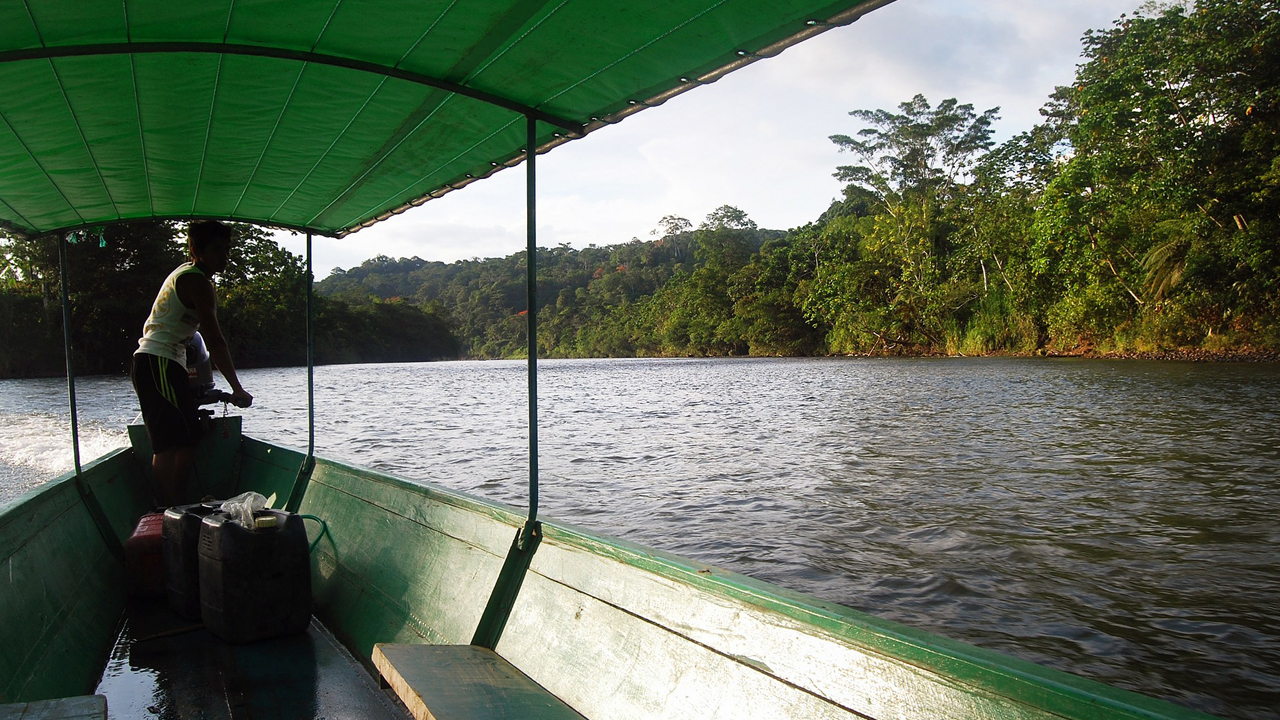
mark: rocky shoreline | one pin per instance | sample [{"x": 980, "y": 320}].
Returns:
[
  {"x": 1235, "y": 355},
  {"x": 1191, "y": 355}
]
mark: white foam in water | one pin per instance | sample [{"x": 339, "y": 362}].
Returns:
[{"x": 35, "y": 449}]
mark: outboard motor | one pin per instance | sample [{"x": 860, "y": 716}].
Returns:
[
  {"x": 200, "y": 373},
  {"x": 199, "y": 367}
]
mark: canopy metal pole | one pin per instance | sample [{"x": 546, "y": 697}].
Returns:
[
  {"x": 494, "y": 618},
  {"x": 311, "y": 360},
  {"x": 531, "y": 252},
  {"x": 66, "y": 339},
  {"x": 82, "y": 485},
  {"x": 303, "y": 477},
  {"x": 503, "y": 598}
]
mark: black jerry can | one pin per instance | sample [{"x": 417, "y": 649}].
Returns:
[
  {"x": 254, "y": 583},
  {"x": 182, "y": 556}
]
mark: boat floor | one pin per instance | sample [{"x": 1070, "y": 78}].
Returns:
[{"x": 163, "y": 666}]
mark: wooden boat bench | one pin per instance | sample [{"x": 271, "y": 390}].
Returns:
[
  {"x": 85, "y": 707},
  {"x": 464, "y": 682}
]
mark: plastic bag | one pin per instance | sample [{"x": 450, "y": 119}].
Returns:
[{"x": 242, "y": 507}]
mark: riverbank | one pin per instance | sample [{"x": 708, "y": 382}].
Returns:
[
  {"x": 1234, "y": 355},
  {"x": 1245, "y": 354},
  {"x": 1240, "y": 353},
  {"x": 1249, "y": 355}
]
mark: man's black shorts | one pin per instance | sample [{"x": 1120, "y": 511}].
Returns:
[{"x": 168, "y": 406}]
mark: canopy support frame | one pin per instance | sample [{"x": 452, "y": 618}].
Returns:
[
  {"x": 67, "y": 348},
  {"x": 516, "y": 565},
  {"x": 308, "y": 466},
  {"x": 99, "y": 516},
  {"x": 311, "y": 359},
  {"x": 279, "y": 53},
  {"x": 531, "y": 317}
]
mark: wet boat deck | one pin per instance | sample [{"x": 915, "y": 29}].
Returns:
[{"x": 163, "y": 666}]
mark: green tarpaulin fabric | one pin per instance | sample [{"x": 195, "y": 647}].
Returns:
[{"x": 329, "y": 115}]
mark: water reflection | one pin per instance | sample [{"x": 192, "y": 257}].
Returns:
[{"x": 168, "y": 668}]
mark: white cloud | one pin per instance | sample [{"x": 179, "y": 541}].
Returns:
[{"x": 756, "y": 139}]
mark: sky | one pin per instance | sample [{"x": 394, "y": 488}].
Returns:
[{"x": 757, "y": 139}]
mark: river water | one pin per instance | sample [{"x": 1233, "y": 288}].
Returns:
[{"x": 1113, "y": 519}]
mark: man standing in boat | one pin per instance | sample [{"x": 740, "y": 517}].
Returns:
[{"x": 185, "y": 304}]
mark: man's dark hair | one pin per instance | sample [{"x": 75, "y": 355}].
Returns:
[{"x": 201, "y": 235}]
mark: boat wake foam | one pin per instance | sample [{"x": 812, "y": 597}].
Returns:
[{"x": 35, "y": 449}]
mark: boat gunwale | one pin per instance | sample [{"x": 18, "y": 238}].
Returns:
[
  {"x": 52, "y": 508},
  {"x": 990, "y": 672},
  {"x": 983, "y": 669}
]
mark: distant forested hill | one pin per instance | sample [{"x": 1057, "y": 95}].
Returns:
[{"x": 590, "y": 301}]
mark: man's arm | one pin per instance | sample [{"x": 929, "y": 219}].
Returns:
[{"x": 199, "y": 290}]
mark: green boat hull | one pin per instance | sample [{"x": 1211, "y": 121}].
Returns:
[{"x": 613, "y": 629}]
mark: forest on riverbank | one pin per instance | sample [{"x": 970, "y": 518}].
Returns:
[{"x": 1142, "y": 216}]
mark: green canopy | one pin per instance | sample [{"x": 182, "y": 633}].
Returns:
[{"x": 330, "y": 115}]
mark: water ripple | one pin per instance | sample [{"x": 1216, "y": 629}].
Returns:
[{"x": 1114, "y": 519}]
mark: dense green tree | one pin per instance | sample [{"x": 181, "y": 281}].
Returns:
[
  {"x": 109, "y": 273},
  {"x": 919, "y": 152},
  {"x": 114, "y": 272},
  {"x": 1163, "y": 222},
  {"x": 917, "y": 164},
  {"x": 766, "y": 294},
  {"x": 696, "y": 312},
  {"x": 995, "y": 238},
  {"x": 262, "y": 303}
]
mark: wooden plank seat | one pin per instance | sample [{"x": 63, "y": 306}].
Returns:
[
  {"x": 85, "y": 707},
  {"x": 464, "y": 682}
]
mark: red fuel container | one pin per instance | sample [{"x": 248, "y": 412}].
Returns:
[{"x": 144, "y": 557}]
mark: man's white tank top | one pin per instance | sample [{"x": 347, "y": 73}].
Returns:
[{"x": 171, "y": 323}]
